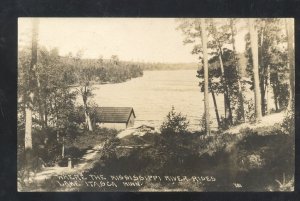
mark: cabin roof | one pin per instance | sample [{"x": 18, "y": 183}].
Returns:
[{"x": 114, "y": 114}]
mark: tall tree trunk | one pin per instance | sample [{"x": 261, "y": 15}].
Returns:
[
  {"x": 275, "y": 91},
  {"x": 86, "y": 113},
  {"x": 205, "y": 66},
  {"x": 28, "y": 127},
  {"x": 240, "y": 94},
  {"x": 88, "y": 121},
  {"x": 262, "y": 72},
  {"x": 30, "y": 88},
  {"x": 289, "y": 23},
  {"x": 57, "y": 117},
  {"x": 262, "y": 92},
  {"x": 276, "y": 101},
  {"x": 267, "y": 90},
  {"x": 254, "y": 49},
  {"x": 227, "y": 105},
  {"x": 39, "y": 98},
  {"x": 45, "y": 113},
  {"x": 216, "y": 108},
  {"x": 63, "y": 147}
]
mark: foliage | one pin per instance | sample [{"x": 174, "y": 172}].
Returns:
[
  {"x": 53, "y": 101},
  {"x": 285, "y": 185},
  {"x": 270, "y": 155},
  {"x": 53, "y": 104},
  {"x": 85, "y": 139},
  {"x": 273, "y": 68},
  {"x": 54, "y": 111},
  {"x": 272, "y": 60},
  {"x": 165, "y": 154},
  {"x": 175, "y": 124},
  {"x": 250, "y": 110},
  {"x": 217, "y": 82},
  {"x": 254, "y": 161},
  {"x": 100, "y": 71},
  {"x": 109, "y": 149},
  {"x": 288, "y": 124},
  {"x": 53, "y": 75},
  {"x": 223, "y": 75},
  {"x": 202, "y": 123},
  {"x": 76, "y": 145}
]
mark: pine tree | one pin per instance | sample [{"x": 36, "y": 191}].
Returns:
[
  {"x": 254, "y": 49},
  {"x": 30, "y": 87},
  {"x": 240, "y": 94},
  {"x": 289, "y": 23},
  {"x": 205, "y": 65}
]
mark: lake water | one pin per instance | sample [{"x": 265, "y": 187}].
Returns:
[{"x": 153, "y": 95}]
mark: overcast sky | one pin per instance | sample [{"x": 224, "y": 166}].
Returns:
[{"x": 132, "y": 39}]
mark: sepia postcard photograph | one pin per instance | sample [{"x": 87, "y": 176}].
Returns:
[{"x": 156, "y": 105}]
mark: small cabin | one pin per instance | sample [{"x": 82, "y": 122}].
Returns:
[{"x": 115, "y": 117}]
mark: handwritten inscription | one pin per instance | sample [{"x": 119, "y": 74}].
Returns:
[{"x": 115, "y": 181}]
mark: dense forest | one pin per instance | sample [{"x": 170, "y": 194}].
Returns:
[
  {"x": 46, "y": 101},
  {"x": 97, "y": 70},
  {"x": 269, "y": 65}
]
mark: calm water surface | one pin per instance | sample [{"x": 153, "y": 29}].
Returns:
[{"x": 153, "y": 95}]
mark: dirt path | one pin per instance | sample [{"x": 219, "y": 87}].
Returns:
[
  {"x": 267, "y": 121},
  {"x": 85, "y": 163}
]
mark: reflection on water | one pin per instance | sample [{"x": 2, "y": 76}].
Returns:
[{"x": 153, "y": 95}]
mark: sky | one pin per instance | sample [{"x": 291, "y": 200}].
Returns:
[{"x": 132, "y": 39}]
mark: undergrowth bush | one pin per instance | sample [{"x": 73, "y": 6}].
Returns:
[
  {"x": 175, "y": 123},
  {"x": 288, "y": 124},
  {"x": 250, "y": 110}
]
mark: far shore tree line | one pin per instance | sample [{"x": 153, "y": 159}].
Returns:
[{"x": 270, "y": 65}]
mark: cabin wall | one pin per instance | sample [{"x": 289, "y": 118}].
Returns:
[
  {"x": 131, "y": 121},
  {"x": 117, "y": 126}
]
